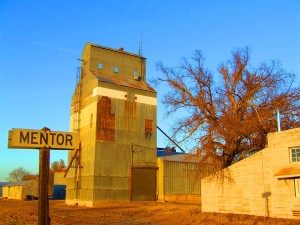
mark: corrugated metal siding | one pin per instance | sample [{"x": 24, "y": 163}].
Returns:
[
  {"x": 112, "y": 172},
  {"x": 114, "y": 159},
  {"x": 108, "y": 156},
  {"x": 180, "y": 178},
  {"x": 126, "y": 62}
]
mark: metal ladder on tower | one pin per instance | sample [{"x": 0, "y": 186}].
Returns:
[{"x": 75, "y": 160}]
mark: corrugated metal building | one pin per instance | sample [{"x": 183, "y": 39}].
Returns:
[
  {"x": 178, "y": 180},
  {"x": 114, "y": 111},
  {"x": 19, "y": 190},
  {"x": 59, "y": 178},
  {"x": 266, "y": 183}
]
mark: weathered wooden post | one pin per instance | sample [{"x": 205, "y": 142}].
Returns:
[
  {"x": 43, "y": 209},
  {"x": 44, "y": 218}
]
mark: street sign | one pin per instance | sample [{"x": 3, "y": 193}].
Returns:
[
  {"x": 45, "y": 140},
  {"x": 25, "y": 138}
]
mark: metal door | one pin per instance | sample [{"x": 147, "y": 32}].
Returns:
[{"x": 143, "y": 184}]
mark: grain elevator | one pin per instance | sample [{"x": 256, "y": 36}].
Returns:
[{"x": 114, "y": 111}]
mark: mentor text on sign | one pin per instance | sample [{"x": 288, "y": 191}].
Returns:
[{"x": 25, "y": 138}]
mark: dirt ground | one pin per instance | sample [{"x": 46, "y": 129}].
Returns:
[{"x": 17, "y": 212}]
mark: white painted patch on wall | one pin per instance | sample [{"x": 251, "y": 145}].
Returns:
[
  {"x": 110, "y": 93},
  {"x": 145, "y": 99},
  {"x": 123, "y": 95}
]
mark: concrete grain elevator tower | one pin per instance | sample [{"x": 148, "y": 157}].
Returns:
[{"x": 114, "y": 111}]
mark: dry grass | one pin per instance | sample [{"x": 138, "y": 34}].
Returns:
[{"x": 16, "y": 212}]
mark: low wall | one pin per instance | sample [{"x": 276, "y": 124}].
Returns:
[{"x": 180, "y": 198}]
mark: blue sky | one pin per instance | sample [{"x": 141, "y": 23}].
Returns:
[{"x": 41, "y": 40}]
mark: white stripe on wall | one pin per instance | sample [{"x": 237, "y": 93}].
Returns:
[
  {"x": 145, "y": 99},
  {"x": 110, "y": 93},
  {"x": 123, "y": 95}
]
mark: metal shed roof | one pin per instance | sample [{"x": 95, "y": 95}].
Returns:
[
  {"x": 123, "y": 81},
  {"x": 3, "y": 183},
  {"x": 21, "y": 183},
  {"x": 181, "y": 158}
]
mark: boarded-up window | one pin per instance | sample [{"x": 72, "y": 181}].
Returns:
[
  {"x": 105, "y": 121},
  {"x": 148, "y": 126}
]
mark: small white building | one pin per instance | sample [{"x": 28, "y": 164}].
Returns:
[
  {"x": 264, "y": 184},
  {"x": 19, "y": 190}
]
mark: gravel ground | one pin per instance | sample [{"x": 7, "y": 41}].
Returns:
[{"x": 17, "y": 212}]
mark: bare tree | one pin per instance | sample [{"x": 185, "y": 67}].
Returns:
[
  {"x": 228, "y": 115},
  {"x": 19, "y": 174},
  {"x": 30, "y": 177},
  {"x": 58, "y": 165}
]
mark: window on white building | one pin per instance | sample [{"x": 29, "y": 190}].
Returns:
[{"x": 295, "y": 155}]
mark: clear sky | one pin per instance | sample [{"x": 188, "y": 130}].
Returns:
[{"x": 41, "y": 40}]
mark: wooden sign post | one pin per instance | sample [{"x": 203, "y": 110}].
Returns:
[
  {"x": 44, "y": 140},
  {"x": 43, "y": 186}
]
